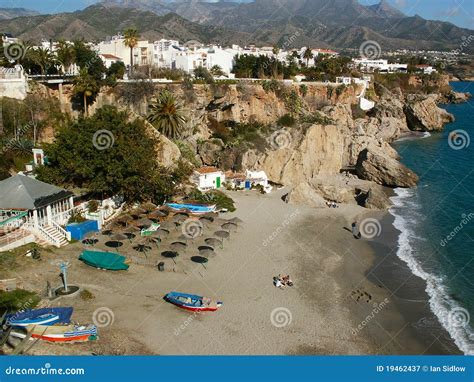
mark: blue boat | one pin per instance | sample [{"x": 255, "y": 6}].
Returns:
[
  {"x": 192, "y": 302},
  {"x": 43, "y": 316},
  {"x": 196, "y": 209}
]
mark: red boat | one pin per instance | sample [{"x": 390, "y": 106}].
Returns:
[{"x": 192, "y": 302}]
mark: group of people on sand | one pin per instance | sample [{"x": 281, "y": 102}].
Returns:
[
  {"x": 355, "y": 231},
  {"x": 332, "y": 204},
  {"x": 282, "y": 281}
]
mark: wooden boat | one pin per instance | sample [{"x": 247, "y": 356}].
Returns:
[
  {"x": 194, "y": 209},
  {"x": 192, "y": 302},
  {"x": 43, "y": 316},
  {"x": 60, "y": 333}
]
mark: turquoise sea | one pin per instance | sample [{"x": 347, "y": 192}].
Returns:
[{"x": 436, "y": 219}]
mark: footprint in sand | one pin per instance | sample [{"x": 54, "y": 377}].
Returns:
[{"x": 359, "y": 295}]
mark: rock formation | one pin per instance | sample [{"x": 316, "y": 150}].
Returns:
[{"x": 423, "y": 114}]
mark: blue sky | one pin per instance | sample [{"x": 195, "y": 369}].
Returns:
[{"x": 459, "y": 12}]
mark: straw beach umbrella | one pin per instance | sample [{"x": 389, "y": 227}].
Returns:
[
  {"x": 213, "y": 242},
  {"x": 178, "y": 246},
  {"x": 200, "y": 260},
  {"x": 170, "y": 255}
]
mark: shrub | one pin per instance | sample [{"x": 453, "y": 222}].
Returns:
[
  {"x": 303, "y": 90},
  {"x": 271, "y": 86},
  {"x": 86, "y": 295},
  {"x": 18, "y": 300},
  {"x": 316, "y": 118},
  {"x": 216, "y": 197},
  {"x": 93, "y": 206},
  {"x": 287, "y": 120}
]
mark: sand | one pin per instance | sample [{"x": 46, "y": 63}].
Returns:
[{"x": 338, "y": 304}]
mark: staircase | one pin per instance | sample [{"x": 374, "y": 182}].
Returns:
[{"x": 52, "y": 237}]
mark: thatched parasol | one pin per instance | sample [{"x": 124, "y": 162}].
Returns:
[
  {"x": 148, "y": 206},
  {"x": 107, "y": 232},
  {"x": 170, "y": 255},
  {"x": 205, "y": 250},
  {"x": 142, "y": 248},
  {"x": 222, "y": 234},
  {"x": 119, "y": 237},
  {"x": 137, "y": 212},
  {"x": 236, "y": 220},
  {"x": 200, "y": 260},
  {"x": 125, "y": 219},
  {"x": 157, "y": 214},
  {"x": 144, "y": 222},
  {"x": 213, "y": 242},
  {"x": 178, "y": 246},
  {"x": 114, "y": 244}
]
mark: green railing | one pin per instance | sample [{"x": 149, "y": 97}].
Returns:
[{"x": 20, "y": 214}]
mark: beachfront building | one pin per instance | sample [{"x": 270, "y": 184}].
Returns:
[
  {"x": 33, "y": 211},
  {"x": 257, "y": 178},
  {"x": 205, "y": 57},
  {"x": 208, "y": 178},
  {"x": 379, "y": 65}
]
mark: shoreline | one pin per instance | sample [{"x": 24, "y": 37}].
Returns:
[{"x": 408, "y": 292}]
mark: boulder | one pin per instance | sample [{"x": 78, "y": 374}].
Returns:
[
  {"x": 423, "y": 114},
  {"x": 210, "y": 151},
  {"x": 303, "y": 193},
  {"x": 374, "y": 164}
]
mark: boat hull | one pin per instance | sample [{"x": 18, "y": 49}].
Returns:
[{"x": 192, "y": 303}]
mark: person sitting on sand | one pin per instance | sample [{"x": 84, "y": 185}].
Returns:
[
  {"x": 277, "y": 282},
  {"x": 287, "y": 281}
]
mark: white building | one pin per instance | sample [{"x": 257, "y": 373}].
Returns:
[
  {"x": 206, "y": 57},
  {"x": 381, "y": 66},
  {"x": 33, "y": 211},
  {"x": 426, "y": 69},
  {"x": 142, "y": 53},
  {"x": 257, "y": 178},
  {"x": 208, "y": 178},
  {"x": 109, "y": 59},
  {"x": 164, "y": 53},
  {"x": 13, "y": 83}
]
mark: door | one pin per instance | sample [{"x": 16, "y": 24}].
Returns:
[{"x": 218, "y": 182}]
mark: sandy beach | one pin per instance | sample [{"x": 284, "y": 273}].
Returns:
[{"x": 345, "y": 299}]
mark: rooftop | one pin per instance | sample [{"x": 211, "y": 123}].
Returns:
[
  {"x": 24, "y": 193},
  {"x": 207, "y": 170}
]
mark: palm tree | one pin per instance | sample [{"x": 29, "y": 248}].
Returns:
[
  {"x": 166, "y": 114},
  {"x": 308, "y": 55},
  {"x": 66, "y": 55},
  {"x": 44, "y": 58},
  {"x": 86, "y": 85},
  {"x": 131, "y": 36}
]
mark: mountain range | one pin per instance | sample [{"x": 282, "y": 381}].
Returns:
[
  {"x": 10, "y": 13},
  {"x": 287, "y": 23}
]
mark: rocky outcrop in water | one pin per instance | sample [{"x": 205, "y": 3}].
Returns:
[
  {"x": 423, "y": 114},
  {"x": 374, "y": 164}
]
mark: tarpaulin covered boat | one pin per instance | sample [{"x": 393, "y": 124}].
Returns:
[
  {"x": 192, "y": 302},
  {"x": 195, "y": 209},
  {"x": 104, "y": 260},
  {"x": 43, "y": 316}
]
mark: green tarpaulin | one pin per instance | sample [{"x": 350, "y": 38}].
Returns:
[{"x": 104, "y": 260}]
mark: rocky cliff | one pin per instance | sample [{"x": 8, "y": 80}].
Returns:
[{"x": 340, "y": 154}]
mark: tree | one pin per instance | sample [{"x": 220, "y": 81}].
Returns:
[
  {"x": 108, "y": 154},
  {"x": 167, "y": 115},
  {"x": 202, "y": 73},
  {"x": 86, "y": 86},
  {"x": 44, "y": 58},
  {"x": 66, "y": 55},
  {"x": 308, "y": 55},
  {"x": 131, "y": 40},
  {"x": 216, "y": 70},
  {"x": 88, "y": 59}
]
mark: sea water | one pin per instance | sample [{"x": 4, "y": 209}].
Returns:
[{"x": 436, "y": 219}]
